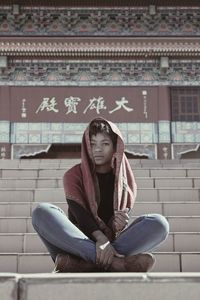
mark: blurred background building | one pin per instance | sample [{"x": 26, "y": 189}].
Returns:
[{"x": 136, "y": 63}]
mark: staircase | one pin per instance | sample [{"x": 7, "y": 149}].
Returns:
[{"x": 168, "y": 187}]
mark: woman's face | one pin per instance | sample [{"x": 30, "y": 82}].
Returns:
[{"x": 102, "y": 151}]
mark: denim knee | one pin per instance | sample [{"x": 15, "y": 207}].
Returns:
[
  {"x": 38, "y": 212},
  {"x": 161, "y": 225}
]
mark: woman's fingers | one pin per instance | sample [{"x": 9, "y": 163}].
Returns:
[
  {"x": 104, "y": 254},
  {"x": 121, "y": 219},
  {"x": 121, "y": 215}
]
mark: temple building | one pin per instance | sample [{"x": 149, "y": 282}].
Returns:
[{"x": 136, "y": 63}]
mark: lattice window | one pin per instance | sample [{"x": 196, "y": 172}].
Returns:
[{"x": 185, "y": 104}]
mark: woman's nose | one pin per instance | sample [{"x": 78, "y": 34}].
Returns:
[{"x": 98, "y": 148}]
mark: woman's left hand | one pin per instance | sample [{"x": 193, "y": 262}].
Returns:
[{"x": 120, "y": 220}]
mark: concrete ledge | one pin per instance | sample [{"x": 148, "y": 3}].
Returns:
[
  {"x": 109, "y": 286},
  {"x": 8, "y": 286}
]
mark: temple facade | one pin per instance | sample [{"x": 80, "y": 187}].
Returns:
[{"x": 63, "y": 64}]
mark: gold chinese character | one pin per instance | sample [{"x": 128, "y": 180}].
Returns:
[
  {"x": 49, "y": 104},
  {"x": 71, "y": 104},
  {"x": 96, "y": 103},
  {"x": 121, "y": 104}
]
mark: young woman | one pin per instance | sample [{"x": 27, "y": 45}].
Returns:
[{"x": 100, "y": 192}]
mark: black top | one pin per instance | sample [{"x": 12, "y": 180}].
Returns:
[
  {"x": 84, "y": 220},
  {"x": 106, "y": 186}
]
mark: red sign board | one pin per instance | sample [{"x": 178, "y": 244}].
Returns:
[{"x": 81, "y": 104}]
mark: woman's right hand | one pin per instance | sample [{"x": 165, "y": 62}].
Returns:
[
  {"x": 104, "y": 254},
  {"x": 104, "y": 250}
]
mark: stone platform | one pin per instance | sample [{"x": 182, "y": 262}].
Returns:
[{"x": 100, "y": 286}]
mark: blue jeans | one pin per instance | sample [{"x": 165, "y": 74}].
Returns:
[{"x": 60, "y": 235}]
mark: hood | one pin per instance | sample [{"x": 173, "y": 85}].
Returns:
[
  {"x": 125, "y": 186},
  {"x": 86, "y": 151}
]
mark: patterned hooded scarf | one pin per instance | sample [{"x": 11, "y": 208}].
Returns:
[{"x": 81, "y": 183}]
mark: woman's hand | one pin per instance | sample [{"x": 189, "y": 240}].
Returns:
[
  {"x": 104, "y": 250},
  {"x": 104, "y": 254},
  {"x": 120, "y": 220}
]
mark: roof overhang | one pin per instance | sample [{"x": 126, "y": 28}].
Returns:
[
  {"x": 100, "y": 3},
  {"x": 106, "y": 47}
]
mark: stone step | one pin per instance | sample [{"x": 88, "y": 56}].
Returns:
[
  {"x": 168, "y": 208},
  {"x": 168, "y": 194},
  {"x": 59, "y": 172},
  {"x": 8, "y": 163},
  {"x": 30, "y": 242},
  {"x": 84, "y": 286},
  {"x": 166, "y": 187},
  {"x": 42, "y": 262},
  {"x": 184, "y": 224},
  {"x": 57, "y": 194},
  {"x": 37, "y": 163},
  {"x": 177, "y": 262},
  {"x": 24, "y": 209},
  {"x": 166, "y": 163},
  {"x": 32, "y": 183},
  {"x": 24, "y": 225},
  {"x": 32, "y": 195}
]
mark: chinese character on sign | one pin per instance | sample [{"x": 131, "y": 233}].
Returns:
[
  {"x": 23, "y": 109},
  {"x": 96, "y": 103},
  {"x": 3, "y": 152},
  {"x": 49, "y": 104},
  {"x": 71, "y": 104},
  {"x": 144, "y": 94},
  {"x": 121, "y": 104}
]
